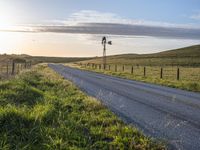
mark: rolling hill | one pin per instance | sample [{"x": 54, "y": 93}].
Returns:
[
  {"x": 188, "y": 56},
  {"x": 40, "y": 59}
]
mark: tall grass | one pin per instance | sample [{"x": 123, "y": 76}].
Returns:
[
  {"x": 189, "y": 76},
  {"x": 41, "y": 110}
]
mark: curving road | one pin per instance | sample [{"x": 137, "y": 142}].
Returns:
[{"x": 161, "y": 112}]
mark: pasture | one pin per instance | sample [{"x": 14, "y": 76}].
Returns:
[
  {"x": 41, "y": 110},
  {"x": 187, "y": 78}
]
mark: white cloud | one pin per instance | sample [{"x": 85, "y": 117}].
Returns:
[
  {"x": 88, "y": 16},
  {"x": 94, "y": 22},
  {"x": 196, "y": 16},
  {"x": 92, "y": 16}
]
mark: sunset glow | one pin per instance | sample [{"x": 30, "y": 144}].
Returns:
[{"x": 62, "y": 29}]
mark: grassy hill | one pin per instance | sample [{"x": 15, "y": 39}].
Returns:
[
  {"x": 188, "y": 56},
  {"x": 40, "y": 59}
]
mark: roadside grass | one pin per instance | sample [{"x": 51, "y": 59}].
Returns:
[
  {"x": 187, "y": 56},
  {"x": 41, "y": 110},
  {"x": 190, "y": 78}
]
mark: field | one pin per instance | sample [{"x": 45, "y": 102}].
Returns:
[
  {"x": 6, "y": 67},
  {"x": 41, "y": 110},
  {"x": 176, "y": 68},
  {"x": 189, "y": 56},
  {"x": 40, "y": 59},
  {"x": 189, "y": 77}
]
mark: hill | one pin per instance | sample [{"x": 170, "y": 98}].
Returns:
[
  {"x": 40, "y": 59},
  {"x": 188, "y": 56}
]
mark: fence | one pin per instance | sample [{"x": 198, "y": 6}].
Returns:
[
  {"x": 8, "y": 69},
  {"x": 165, "y": 72}
]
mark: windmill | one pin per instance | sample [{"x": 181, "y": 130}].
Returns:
[{"x": 104, "y": 42}]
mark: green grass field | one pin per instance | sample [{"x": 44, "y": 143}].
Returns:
[
  {"x": 7, "y": 72},
  {"x": 40, "y": 59},
  {"x": 8, "y": 59},
  {"x": 189, "y": 56},
  {"x": 186, "y": 59},
  {"x": 189, "y": 76},
  {"x": 41, "y": 110}
]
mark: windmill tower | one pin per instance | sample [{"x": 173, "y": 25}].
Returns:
[{"x": 104, "y": 42}]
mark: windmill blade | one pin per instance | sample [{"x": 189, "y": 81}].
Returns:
[{"x": 110, "y": 42}]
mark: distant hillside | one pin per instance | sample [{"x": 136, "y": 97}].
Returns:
[
  {"x": 6, "y": 58},
  {"x": 40, "y": 59},
  {"x": 188, "y": 56},
  {"x": 192, "y": 51}
]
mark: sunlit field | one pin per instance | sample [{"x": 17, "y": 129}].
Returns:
[
  {"x": 41, "y": 110},
  {"x": 188, "y": 78}
]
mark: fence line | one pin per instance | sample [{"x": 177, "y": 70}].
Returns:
[
  {"x": 164, "y": 72},
  {"x": 12, "y": 68}
]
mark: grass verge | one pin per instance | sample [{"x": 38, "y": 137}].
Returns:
[
  {"x": 182, "y": 84},
  {"x": 41, "y": 110}
]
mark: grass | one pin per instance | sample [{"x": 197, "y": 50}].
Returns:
[
  {"x": 187, "y": 59},
  {"x": 39, "y": 59},
  {"x": 41, "y": 110},
  {"x": 189, "y": 56},
  {"x": 189, "y": 77},
  {"x": 6, "y": 69}
]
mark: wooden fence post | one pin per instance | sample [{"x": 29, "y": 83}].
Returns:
[
  {"x": 161, "y": 73},
  {"x": 132, "y": 70},
  {"x": 123, "y": 68},
  {"x": 115, "y": 68},
  {"x": 109, "y": 67},
  {"x": 25, "y": 65},
  {"x": 13, "y": 68},
  {"x": 22, "y": 66},
  {"x": 178, "y": 73},
  {"x": 7, "y": 69},
  {"x": 18, "y": 69},
  {"x": 144, "y": 71},
  {"x": 104, "y": 66}
]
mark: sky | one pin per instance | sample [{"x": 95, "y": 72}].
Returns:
[{"x": 74, "y": 28}]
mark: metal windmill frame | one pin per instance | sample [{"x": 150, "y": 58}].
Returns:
[{"x": 104, "y": 42}]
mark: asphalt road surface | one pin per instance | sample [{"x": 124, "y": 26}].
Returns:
[{"x": 161, "y": 112}]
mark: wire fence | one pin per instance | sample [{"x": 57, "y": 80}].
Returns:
[
  {"x": 157, "y": 72},
  {"x": 11, "y": 68}
]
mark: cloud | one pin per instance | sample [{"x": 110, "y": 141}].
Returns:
[
  {"x": 123, "y": 29},
  {"x": 92, "y": 16},
  {"x": 93, "y": 22},
  {"x": 88, "y": 16},
  {"x": 196, "y": 16}
]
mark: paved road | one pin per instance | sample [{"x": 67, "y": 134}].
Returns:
[{"x": 159, "y": 111}]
